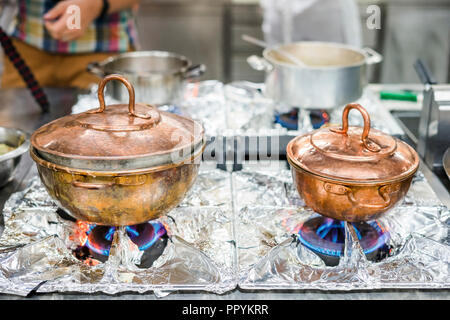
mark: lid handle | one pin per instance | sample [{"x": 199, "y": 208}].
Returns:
[
  {"x": 369, "y": 145},
  {"x": 131, "y": 101}
]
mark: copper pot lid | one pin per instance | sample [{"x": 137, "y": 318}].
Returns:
[
  {"x": 353, "y": 153},
  {"x": 118, "y": 132}
]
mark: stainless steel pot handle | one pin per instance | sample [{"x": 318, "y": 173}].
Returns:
[
  {"x": 259, "y": 63},
  {"x": 194, "y": 71},
  {"x": 95, "y": 68},
  {"x": 372, "y": 56}
]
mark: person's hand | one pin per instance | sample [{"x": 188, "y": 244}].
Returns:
[{"x": 56, "y": 19}]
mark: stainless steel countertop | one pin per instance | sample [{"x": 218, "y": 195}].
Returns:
[
  {"x": 364, "y": 2},
  {"x": 17, "y": 109}
]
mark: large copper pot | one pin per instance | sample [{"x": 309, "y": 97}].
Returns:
[
  {"x": 118, "y": 165},
  {"x": 351, "y": 173}
]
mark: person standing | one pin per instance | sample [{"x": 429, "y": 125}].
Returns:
[
  {"x": 287, "y": 21},
  {"x": 58, "y": 39}
]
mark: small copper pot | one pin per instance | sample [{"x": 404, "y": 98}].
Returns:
[{"x": 352, "y": 174}]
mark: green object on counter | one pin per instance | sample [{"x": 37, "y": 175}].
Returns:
[{"x": 398, "y": 95}]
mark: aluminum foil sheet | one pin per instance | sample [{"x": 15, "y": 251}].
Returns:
[
  {"x": 270, "y": 255},
  {"x": 87, "y": 101},
  {"x": 238, "y": 229},
  {"x": 37, "y": 247},
  {"x": 240, "y": 108},
  {"x": 229, "y": 109}
]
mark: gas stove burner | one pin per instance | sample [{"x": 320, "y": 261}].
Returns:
[
  {"x": 319, "y": 118},
  {"x": 326, "y": 236},
  {"x": 150, "y": 237},
  {"x": 146, "y": 234},
  {"x": 154, "y": 252},
  {"x": 99, "y": 241},
  {"x": 289, "y": 120}
]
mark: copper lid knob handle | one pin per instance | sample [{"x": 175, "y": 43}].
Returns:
[
  {"x": 131, "y": 100},
  {"x": 369, "y": 145}
]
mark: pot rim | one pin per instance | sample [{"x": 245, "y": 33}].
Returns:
[
  {"x": 138, "y": 162},
  {"x": 353, "y": 182},
  {"x": 314, "y": 43},
  {"x": 116, "y": 158},
  {"x": 297, "y": 165},
  {"x": 96, "y": 173},
  {"x": 150, "y": 53}
]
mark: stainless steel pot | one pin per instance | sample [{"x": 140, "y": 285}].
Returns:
[
  {"x": 335, "y": 74},
  {"x": 157, "y": 76},
  {"x": 9, "y": 161},
  {"x": 446, "y": 162}
]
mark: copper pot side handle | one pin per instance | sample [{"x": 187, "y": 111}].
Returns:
[
  {"x": 383, "y": 191},
  {"x": 120, "y": 181},
  {"x": 369, "y": 145},
  {"x": 195, "y": 71},
  {"x": 131, "y": 94},
  {"x": 92, "y": 186}
]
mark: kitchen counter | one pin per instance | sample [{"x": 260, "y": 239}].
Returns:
[
  {"x": 17, "y": 109},
  {"x": 369, "y": 2}
]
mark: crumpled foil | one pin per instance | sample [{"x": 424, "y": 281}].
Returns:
[
  {"x": 231, "y": 230},
  {"x": 269, "y": 213},
  {"x": 88, "y": 101},
  {"x": 240, "y": 108},
  {"x": 36, "y": 247},
  {"x": 228, "y": 109}
]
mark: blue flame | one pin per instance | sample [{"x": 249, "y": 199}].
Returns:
[
  {"x": 333, "y": 227},
  {"x": 158, "y": 232}
]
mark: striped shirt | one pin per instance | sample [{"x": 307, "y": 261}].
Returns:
[{"x": 113, "y": 33}]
